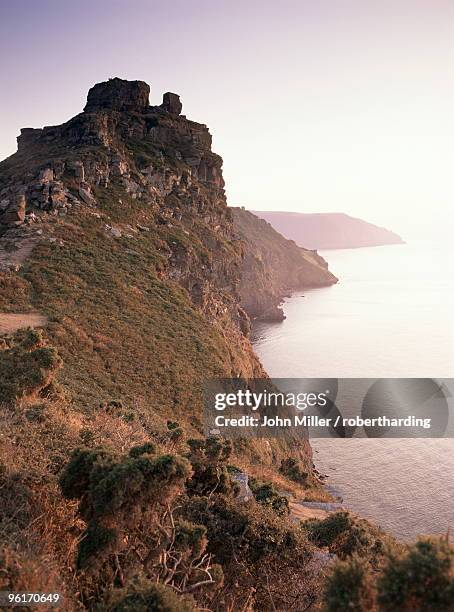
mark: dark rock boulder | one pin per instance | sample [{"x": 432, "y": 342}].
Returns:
[
  {"x": 119, "y": 95},
  {"x": 171, "y": 103}
]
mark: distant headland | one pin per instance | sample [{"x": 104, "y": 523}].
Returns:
[{"x": 328, "y": 230}]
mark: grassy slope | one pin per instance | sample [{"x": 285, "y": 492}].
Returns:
[{"x": 123, "y": 332}]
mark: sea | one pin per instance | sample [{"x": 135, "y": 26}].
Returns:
[{"x": 390, "y": 316}]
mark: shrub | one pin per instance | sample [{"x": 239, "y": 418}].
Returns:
[
  {"x": 75, "y": 479},
  {"x": 145, "y": 449},
  {"x": 264, "y": 557},
  {"x": 185, "y": 565},
  {"x": 98, "y": 542},
  {"x": 119, "y": 495},
  {"x": 209, "y": 460},
  {"x": 292, "y": 470},
  {"x": 345, "y": 535},
  {"x": 349, "y": 587},
  {"x": 420, "y": 580},
  {"x": 27, "y": 365},
  {"x": 266, "y": 493},
  {"x": 146, "y": 596}
]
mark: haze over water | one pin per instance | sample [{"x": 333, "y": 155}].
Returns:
[{"x": 389, "y": 316}]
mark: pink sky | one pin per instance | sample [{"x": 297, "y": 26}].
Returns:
[{"x": 332, "y": 105}]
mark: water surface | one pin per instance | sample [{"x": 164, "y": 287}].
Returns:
[{"x": 391, "y": 315}]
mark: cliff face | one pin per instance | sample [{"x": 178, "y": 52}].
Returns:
[
  {"x": 328, "y": 230},
  {"x": 273, "y": 266}
]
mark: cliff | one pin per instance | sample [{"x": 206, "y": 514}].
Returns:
[
  {"x": 273, "y": 266},
  {"x": 328, "y": 230}
]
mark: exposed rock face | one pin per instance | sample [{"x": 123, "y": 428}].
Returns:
[
  {"x": 171, "y": 103},
  {"x": 273, "y": 267},
  {"x": 12, "y": 207},
  {"x": 119, "y": 95}
]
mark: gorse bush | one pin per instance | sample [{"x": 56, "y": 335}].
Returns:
[
  {"x": 119, "y": 494},
  {"x": 420, "y": 580},
  {"x": 209, "y": 460},
  {"x": 292, "y": 470},
  {"x": 27, "y": 365},
  {"x": 131, "y": 531},
  {"x": 349, "y": 587},
  {"x": 412, "y": 578},
  {"x": 146, "y": 596},
  {"x": 267, "y": 494},
  {"x": 345, "y": 535},
  {"x": 265, "y": 558},
  {"x": 158, "y": 519}
]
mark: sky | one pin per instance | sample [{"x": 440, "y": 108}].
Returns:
[{"x": 326, "y": 106}]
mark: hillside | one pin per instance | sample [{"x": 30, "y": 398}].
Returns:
[
  {"x": 328, "y": 230},
  {"x": 273, "y": 266},
  {"x": 119, "y": 274},
  {"x": 128, "y": 250}
]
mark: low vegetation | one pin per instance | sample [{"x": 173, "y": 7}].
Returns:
[
  {"x": 27, "y": 365},
  {"x": 412, "y": 578}
]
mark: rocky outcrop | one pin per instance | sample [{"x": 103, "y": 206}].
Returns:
[
  {"x": 121, "y": 146},
  {"x": 12, "y": 207},
  {"x": 171, "y": 103},
  {"x": 273, "y": 267},
  {"x": 118, "y": 95}
]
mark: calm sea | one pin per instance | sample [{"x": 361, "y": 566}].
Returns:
[{"x": 391, "y": 315}]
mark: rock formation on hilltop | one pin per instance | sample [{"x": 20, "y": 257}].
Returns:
[
  {"x": 121, "y": 146},
  {"x": 273, "y": 266}
]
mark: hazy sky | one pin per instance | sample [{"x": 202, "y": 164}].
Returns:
[{"x": 315, "y": 105}]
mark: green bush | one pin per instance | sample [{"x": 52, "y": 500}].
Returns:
[
  {"x": 145, "y": 449},
  {"x": 260, "y": 552},
  {"x": 292, "y": 470},
  {"x": 151, "y": 597},
  {"x": 266, "y": 493},
  {"x": 27, "y": 365},
  {"x": 209, "y": 460},
  {"x": 349, "y": 587},
  {"x": 190, "y": 537},
  {"x": 420, "y": 580},
  {"x": 98, "y": 542},
  {"x": 75, "y": 479},
  {"x": 119, "y": 495},
  {"x": 345, "y": 535}
]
